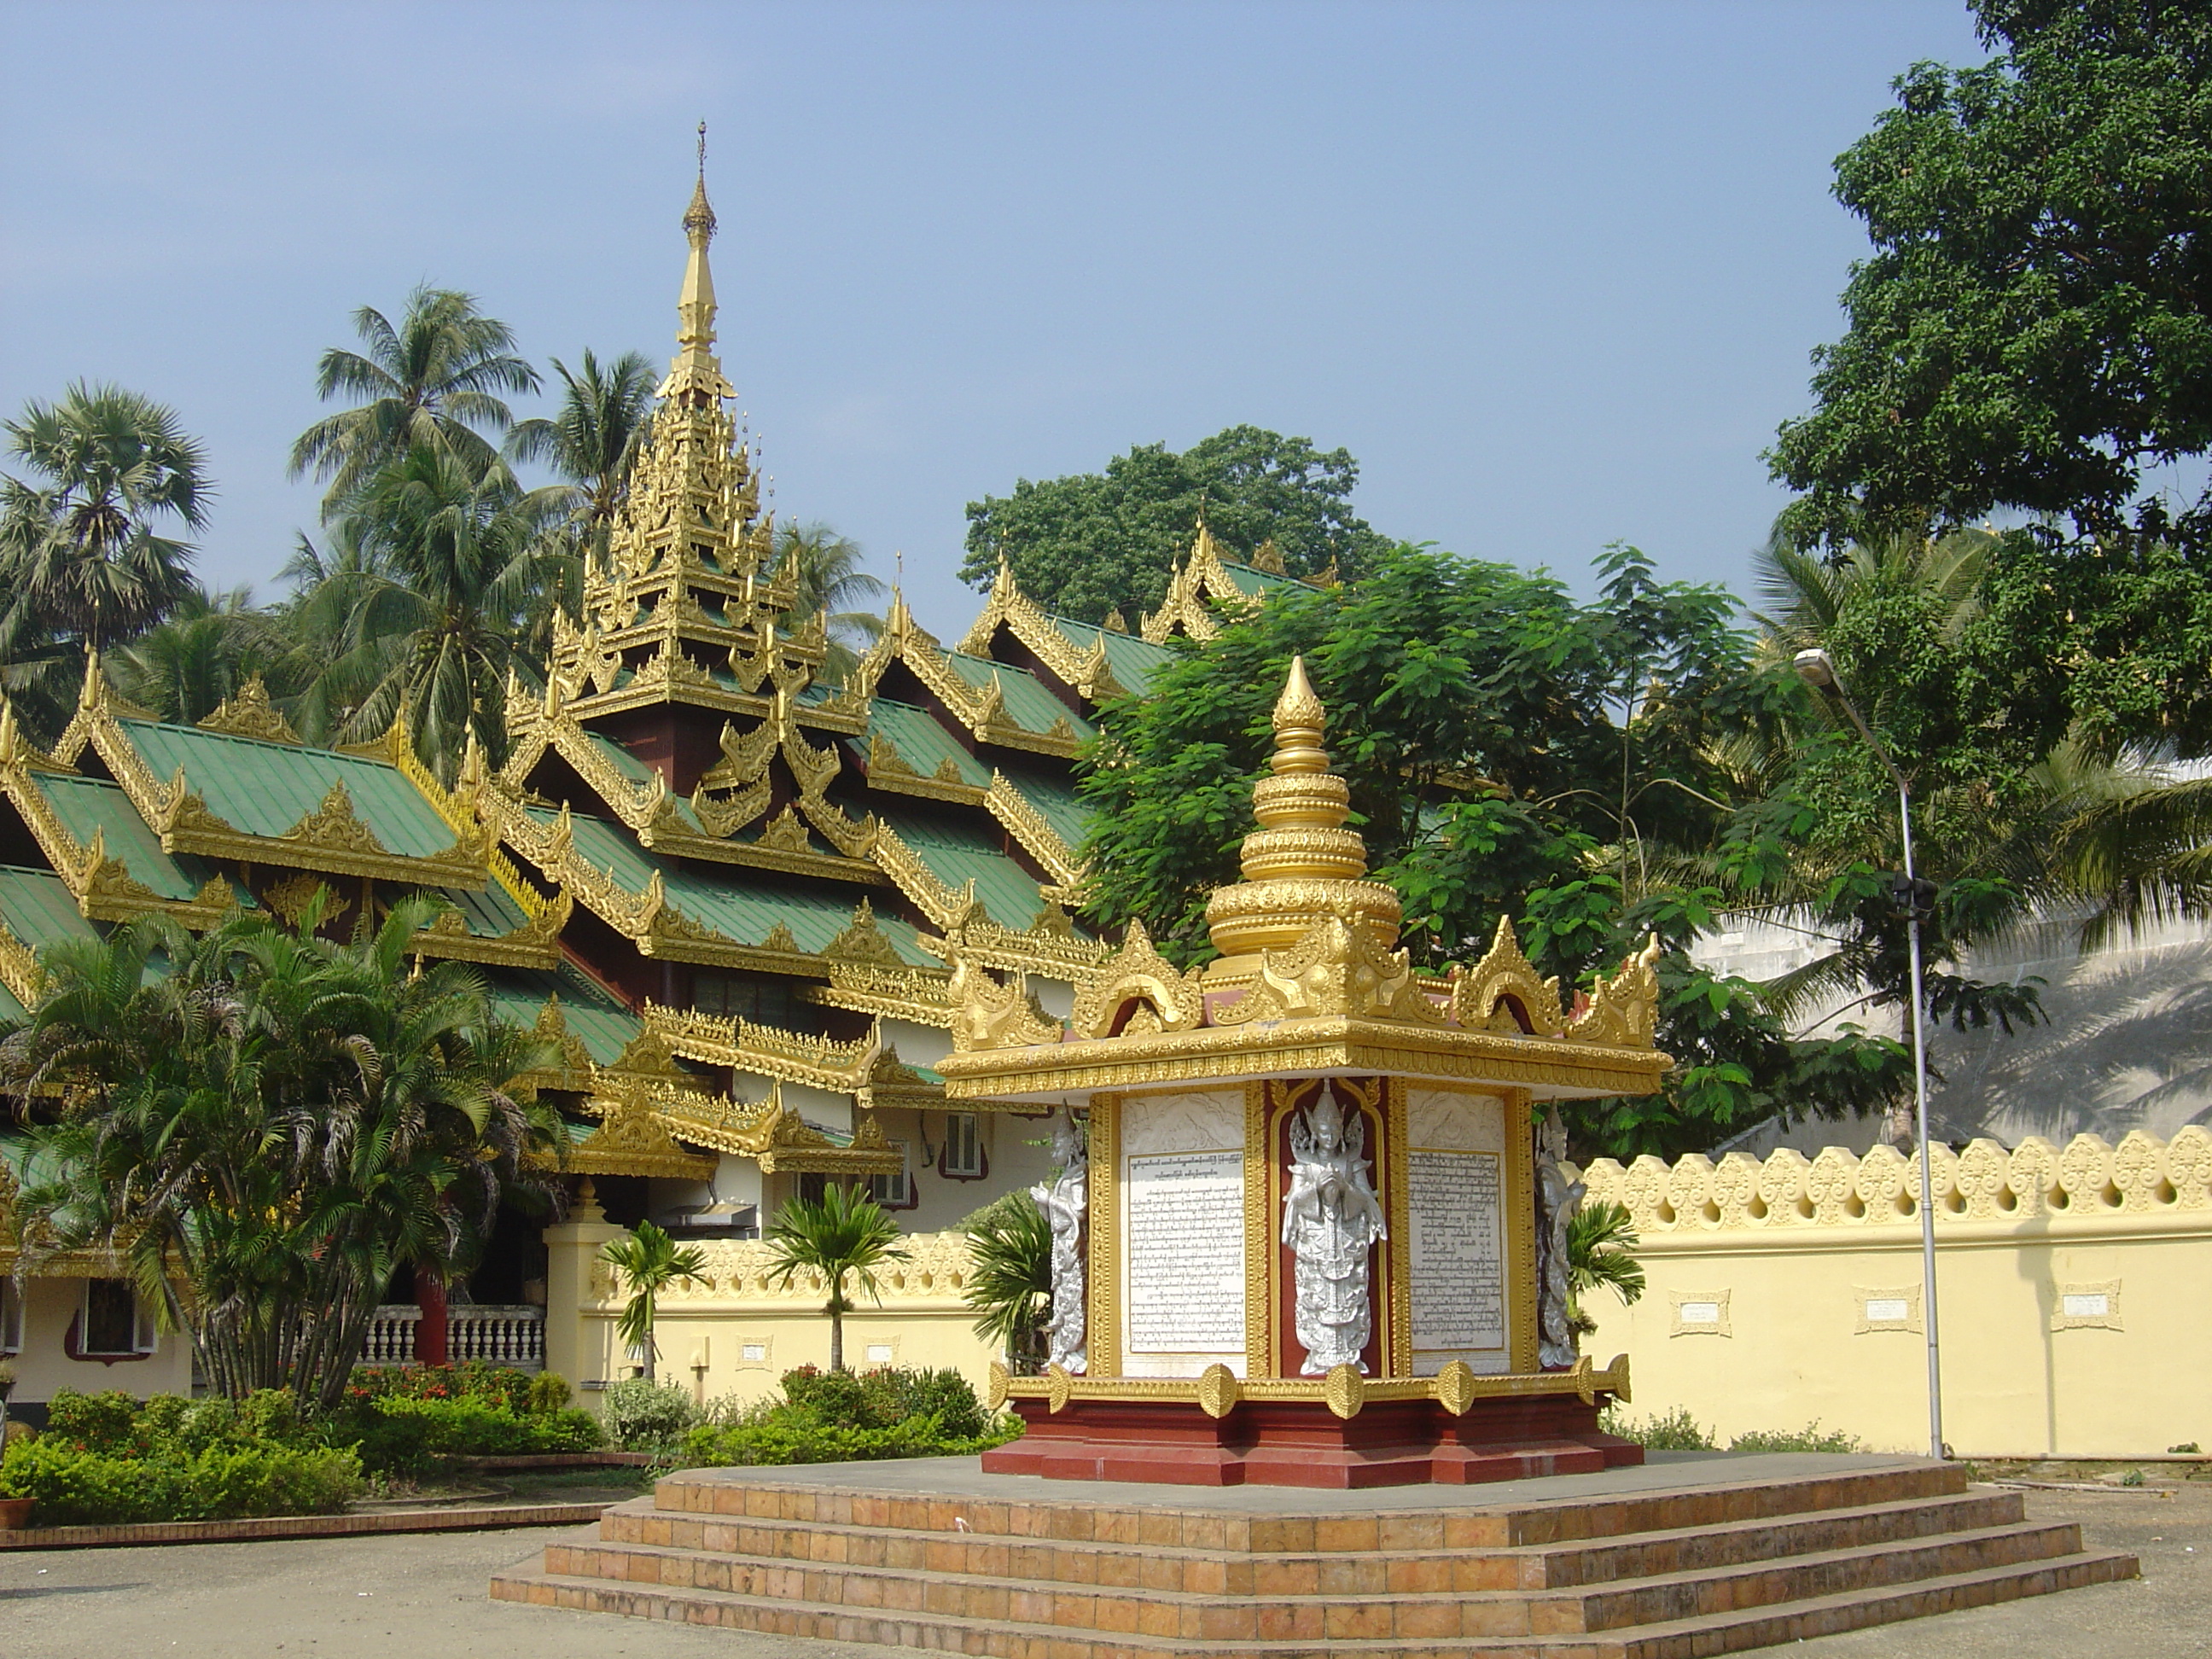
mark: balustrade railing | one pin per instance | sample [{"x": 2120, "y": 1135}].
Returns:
[{"x": 513, "y": 1336}]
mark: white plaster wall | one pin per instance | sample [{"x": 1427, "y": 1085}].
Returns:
[{"x": 49, "y": 1305}]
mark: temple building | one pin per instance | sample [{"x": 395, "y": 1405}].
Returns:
[{"x": 733, "y": 890}]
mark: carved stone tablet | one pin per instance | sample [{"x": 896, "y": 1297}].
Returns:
[
  {"x": 1186, "y": 1252},
  {"x": 1458, "y": 1252}
]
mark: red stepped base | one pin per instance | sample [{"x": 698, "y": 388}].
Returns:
[{"x": 1301, "y": 1443}]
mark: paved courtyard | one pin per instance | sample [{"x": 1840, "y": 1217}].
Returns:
[{"x": 422, "y": 1597}]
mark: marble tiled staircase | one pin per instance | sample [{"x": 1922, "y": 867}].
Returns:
[{"x": 1703, "y": 1565}]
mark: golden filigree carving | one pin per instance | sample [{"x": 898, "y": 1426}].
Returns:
[
  {"x": 1218, "y": 1393},
  {"x": 862, "y": 941},
  {"x": 1624, "y": 1010},
  {"x": 1336, "y": 969},
  {"x": 1346, "y": 1391},
  {"x": 251, "y": 714},
  {"x": 1504, "y": 981},
  {"x": 1138, "y": 974},
  {"x": 988, "y": 1015}
]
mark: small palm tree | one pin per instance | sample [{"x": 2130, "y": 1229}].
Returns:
[
  {"x": 207, "y": 650},
  {"x": 1010, "y": 1277},
  {"x": 651, "y": 1261},
  {"x": 431, "y": 381},
  {"x": 82, "y": 554},
  {"x": 1601, "y": 1244},
  {"x": 825, "y": 568},
  {"x": 846, "y": 1236},
  {"x": 605, "y": 418}
]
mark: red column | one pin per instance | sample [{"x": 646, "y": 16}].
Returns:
[{"x": 430, "y": 1329}]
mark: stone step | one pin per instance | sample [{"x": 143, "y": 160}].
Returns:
[
  {"x": 1196, "y": 1615},
  {"x": 1156, "y": 1524},
  {"x": 1221, "y": 1573},
  {"x": 1686, "y": 1638}
]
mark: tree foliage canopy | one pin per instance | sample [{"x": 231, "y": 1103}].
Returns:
[
  {"x": 2033, "y": 328},
  {"x": 1092, "y": 543}
]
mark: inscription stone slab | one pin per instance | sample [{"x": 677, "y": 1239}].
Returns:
[
  {"x": 1457, "y": 1251},
  {"x": 1186, "y": 1252}
]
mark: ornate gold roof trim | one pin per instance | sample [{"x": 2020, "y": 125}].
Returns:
[
  {"x": 982, "y": 709},
  {"x": 27, "y": 983},
  {"x": 332, "y": 839},
  {"x": 1087, "y": 673},
  {"x": 917, "y": 995},
  {"x": 251, "y": 714},
  {"x": 888, "y": 771},
  {"x": 1195, "y": 587},
  {"x": 1028, "y": 826},
  {"x": 633, "y": 1140}
]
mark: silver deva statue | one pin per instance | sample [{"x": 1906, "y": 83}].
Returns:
[
  {"x": 1557, "y": 1199},
  {"x": 1062, "y": 1200},
  {"x": 1331, "y": 1218}
]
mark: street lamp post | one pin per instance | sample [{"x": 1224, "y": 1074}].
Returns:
[{"x": 1816, "y": 670}]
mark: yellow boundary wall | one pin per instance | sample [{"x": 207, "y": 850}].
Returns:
[{"x": 2073, "y": 1287}]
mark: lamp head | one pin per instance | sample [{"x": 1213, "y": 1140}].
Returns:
[{"x": 1815, "y": 668}]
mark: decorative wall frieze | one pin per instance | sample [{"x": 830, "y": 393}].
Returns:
[{"x": 2088, "y": 1183}]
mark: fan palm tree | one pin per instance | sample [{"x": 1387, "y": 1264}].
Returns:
[
  {"x": 650, "y": 1262},
  {"x": 1601, "y": 1244},
  {"x": 430, "y": 382},
  {"x": 1010, "y": 1277},
  {"x": 824, "y": 569},
  {"x": 85, "y": 554},
  {"x": 425, "y": 616},
  {"x": 606, "y": 420},
  {"x": 847, "y": 1236}
]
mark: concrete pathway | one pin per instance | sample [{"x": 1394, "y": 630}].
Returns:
[{"x": 424, "y": 1597}]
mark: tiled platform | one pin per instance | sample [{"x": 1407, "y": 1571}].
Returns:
[{"x": 1689, "y": 1555}]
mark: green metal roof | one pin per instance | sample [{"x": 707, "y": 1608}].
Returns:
[
  {"x": 266, "y": 788},
  {"x": 921, "y": 741},
  {"x": 603, "y": 1026},
  {"x": 491, "y": 914},
  {"x": 739, "y": 905},
  {"x": 86, "y": 807},
  {"x": 1056, "y": 803},
  {"x": 38, "y": 908},
  {"x": 1029, "y": 705},
  {"x": 1249, "y": 581},
  {"x": 1131, "y": 656},
  {"x": 953, "y": 855}
]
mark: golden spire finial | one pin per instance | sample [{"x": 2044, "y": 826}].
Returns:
[
  {"x": 695, "y": 376},
  {"x": 699, "y": 217},
  {"x": 1299, "y": 721},
  {"x": 1302, "y": 863}
]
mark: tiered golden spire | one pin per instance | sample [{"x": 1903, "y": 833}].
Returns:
[
  {"x": 1302, "y": 864},
  {"x": 696, "y": 373}
]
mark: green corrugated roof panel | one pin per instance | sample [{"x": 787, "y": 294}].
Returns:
[
  {"x": 1249, "y": 581},
  {"x": 10, "y": 1008},
  {"x": 953, "y": 855},
  {"x": 266, "y": 788},
  {"x": 88, "y": 806},
  {"x": 739, "y": 905},
  {"x": 1029, "y": 705},
  {"x": 921, "y": 741},
  {"x": 603, "y": 1026},
  {"x": 38, "y": 908},
  {"x": 1131, "y": 656},
  {"x": 1056, "y": 803},
  {"x": 491, "y": 914}
]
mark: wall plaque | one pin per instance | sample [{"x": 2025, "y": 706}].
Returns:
[
  {"x": 1457, "y": 1250},
  {"x": 1186, "y": 1252}
]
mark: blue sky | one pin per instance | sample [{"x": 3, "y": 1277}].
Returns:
[{"x": 1550, "y": 271}]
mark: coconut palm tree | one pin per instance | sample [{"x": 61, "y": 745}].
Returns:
[
  {"x": 86, "y": 553},
  {"x": 285, "y": 1118},
  {"x": 825, "y": 567},
  {"x": 424, "y": 616},
  {"x": 606, "y": 419},
  {"x": 650, "y": 1262},
  {"x": 845, "y": 1236},
  {"x": 430, "y": 382}
]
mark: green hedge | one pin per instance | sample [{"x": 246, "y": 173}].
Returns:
[
  {"x": 107, "y": 1459},
  {"x": 836, "y": 1417}
]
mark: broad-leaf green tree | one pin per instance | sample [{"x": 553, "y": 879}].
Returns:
[
  {"x": 843, "y": 1239},
  {"x": 1092, "y": 543}
]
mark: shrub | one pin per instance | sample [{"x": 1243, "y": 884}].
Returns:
[
  {"x": 643, "y": 1415},
  {"x": 832, "y": 1416},
  {"x": 1676, "y": 1431},
  {"x": 1807, "y": 1439},
  {"x": 474, "y": 1379},
  {"x": 549, "y": 1392},
  {"x": 105, "y": 1459}
]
